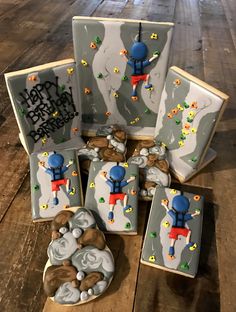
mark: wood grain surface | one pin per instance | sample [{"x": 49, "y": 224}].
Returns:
[{"x": 38, "y": 32}]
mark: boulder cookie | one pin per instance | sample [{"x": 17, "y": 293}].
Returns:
[
  {"x": 153, "y": 167},
  {"x": 80, "y": 265},
  {"x": 109, "y": 144}
]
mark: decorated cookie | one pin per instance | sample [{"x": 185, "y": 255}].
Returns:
[
  {"x": 80, "y": 265},
  {"x": 173, "y": 236},
  {"x": 109, "y": 144},
  {"x": 112, "y": 195},
  {"x": 153, "y": 167}
]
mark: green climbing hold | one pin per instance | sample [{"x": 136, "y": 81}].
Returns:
[
  {"x": 101, "y": 200},
  {"x": 156, "y": 53},
  {"x": 153, "y": 234},
  {"x": 124, "y": 78},
  {"x": 186, "y": 105},
  {"x": 194, "y": 158},
  {"x": 177, "y": 121},
  {"x": 36, "y": 187},
  {"x": 22, "y": 111},
  {"x": 128, "y": 225},
  {"x": 62, "y": 88},
  {"x": 183, "y": 137},
  {"x": 147, "y": 110},
  {"x": 97, "y": 39},
  {"x": 189, "y": 119},
  {"x": 184, "y": 266},
  {"x": 100, "y": 75}
]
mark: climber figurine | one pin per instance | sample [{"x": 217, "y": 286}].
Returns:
[
  {"x": 56, "y": 171},
  {"x": 138, "y": 61},
  {"x": 179, "y": 214},
  {"x": 116, "y": 183}
]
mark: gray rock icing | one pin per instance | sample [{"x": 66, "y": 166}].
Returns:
[
  {"x": 91, "y": 259},
  {"x": 82, "y": 219},
  {"x": 73, "y": 284},
  {"x": 67, "y": 294}
]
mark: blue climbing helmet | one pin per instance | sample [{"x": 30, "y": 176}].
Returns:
[
  {"x": 139, "y": 51},
  {"x": 180, "y": 203},
  {"x": 117, "y": 173},
  {"x": 55, "y": 160}
]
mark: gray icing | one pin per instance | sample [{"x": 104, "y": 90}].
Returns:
[
  {"x": 141, "y": 161},
  {"x": 99, "y": 287},
  {"x": 105, "y": 130},
  {"x": 87, "y": 153},
  {"x": 62, "y": 248},
  {"x": 20, "y": 86},
  {"x": 117, "y": 35},
  {"x": 67, "y": 294},
  {"x": 158, "y": 246},
  {"x": 168, "y": 132},
  {"x": 82, "y": 219},
  {"x": 158, "y": 150},
  {"x": 90, "y": 259},
  {"x": 153, "y": 174}
]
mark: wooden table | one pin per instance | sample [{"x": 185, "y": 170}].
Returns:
[{"x": 37, "y": 32}]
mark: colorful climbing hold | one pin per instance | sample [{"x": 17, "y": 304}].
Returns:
[
  {"x": 128, "y": 225},
  {"x": 55, "y": 114},
  {"x": 72, "y": 192},
  {"x": 153, "y": 234},
  {"x": 123, "y": 52},
  {"x": 134, "y": 98},
  {"x": 32, "y": 78},
  {"x": 93, "y": 45},
  {"x": 185, "y": 104},
  {"x": 193, "y": 130},
  {"x": 174, "y": 111},
  {"x": 124, "y": 78},
  {"x": 177, "y": 121},
  {"x": 74, "y": 130},
  {"x": 193, "y": 247},
  {"x": 92, "y": 185},
  {"x": 177, "y": 82},
  {"x": 187, "y": 126},
  {"x": 166, "y": 224},
  {"x": 70, "y": 70},
  {"x": 184, "y": 266},
  {"x": 196, "y": 197},
  {"x": 126, "y": 165},
  {"x": 185, "y": 132},
  {"x": 194, "y": 158},
  {"x": 44, "y": 206},
  {"x": 180, "y": 107},
  {"x": 74, "y": 173},
  {"x": 150, "y": 89},
  {"x": 152, "y": 258},
  {"x": 194, "y": 105},
  {"x": 170, "y": 116},
  {"x": 189, "y": 119},
  {"x": 165, "y": 201},
  {"x": 101, "y": 200},
  {"x": 97, "y": 40},
  {"x": 183, "y": 137},
  {"x": 133, "y": 192},
  {"x": 44, "y": 140},
  {"x": 181, "y": 143},
  {"x": 45, "y": 154},
  {"x": 115, "y": 94},
  {"x": 147, "y": 110},
  {"x": 128, "y": 210},
  {"x": 116, "y": 70},
  {"x": 84, "y": 63},
  {"x": 154, "y": 36},
  {"x": 137, "y": 119},
  {"x": 108, "y": 114},
  {"x": 191, "y": 114},
  {"x": 36, "y": 187},
  {"x": 87, "y": 91},
  {"x": 100, "y": 75},
  {"x": 173, "y": 191}
]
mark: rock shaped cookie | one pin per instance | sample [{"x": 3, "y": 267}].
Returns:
[{"x": 80, "y": 265}]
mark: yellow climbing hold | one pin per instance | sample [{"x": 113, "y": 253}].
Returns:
[
  {"x": 128, "y": 210},
  {"x": 181, "y": 143},
  {"x": 166, "y": 224},
  {"x": 185, "y": 131},
  {"x": 180, "y": 107},
  {"x": 66, "y": 206},
  {"x": 116, "y": 70},
  {"x": 191, "y": 114},
  {"x": 72, "y": 192},
  {"x": 154, "y": 36},
  {"x": 44, "y": 206},
  {"x": 55, "y": 114},
  {"x": 45, "y": 154},
  {"x": 92, "y": 185},
  {"x": 173, "y": 191},
  {"x": 126, "y": 165},
  {"x": 152, "y": 259},
  {"x": 44, "y": 140},
  {"x": 70, "y": 70},
  {"x": 193, "y": 130},
  {"x": 115, "y": 94},
  {"x": 192, "y": 248},
  {"x": 84, "y": 63}
]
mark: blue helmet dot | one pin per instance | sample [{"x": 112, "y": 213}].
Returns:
[
  {"x": 55, "y": 160},
  {"x": 180, "y": 203},
  {"x": 117, "y": 173},
  {"x": 139, "y": 51}
]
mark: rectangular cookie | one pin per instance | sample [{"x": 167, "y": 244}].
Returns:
[
  {"x": 173, "y": 236},
  {"x": 55, "y": 183},
  {"x": 112, "y": 195},
  {"x": 188, "y": 115}
]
